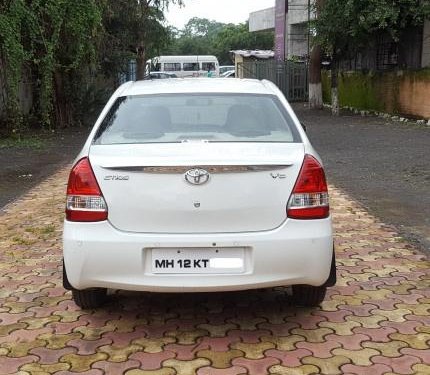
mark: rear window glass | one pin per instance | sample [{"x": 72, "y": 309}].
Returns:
[{"x": 203, "y": 117}]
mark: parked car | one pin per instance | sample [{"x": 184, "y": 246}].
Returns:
[
  {"x": 197, "y": 185},
  {"x": 225, "y": 68},
  {"x": 229, "y": 74},
  {"x": 160, "y": 75}
]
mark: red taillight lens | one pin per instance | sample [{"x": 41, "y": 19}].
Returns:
[
  {"x": 85, "y": 201},
  {"x": 309, "y": 199}
]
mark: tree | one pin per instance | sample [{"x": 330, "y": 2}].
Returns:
[
  {"x": 59, "y": 46},
  {"x": 201, "y": 36},
  {"x": 315, "y": 86},
  {"x": 133, "y": 29},
  {"x": 149, "y": 29},
  {"x": 52, "y": 40},
  {"x": 344, "y": 27},
  {"x": 239, "y": 37}
]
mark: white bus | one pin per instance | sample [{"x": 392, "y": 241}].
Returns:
[{"x": 185, "y": 66}]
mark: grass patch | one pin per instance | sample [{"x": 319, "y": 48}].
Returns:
[
  {"x": 27, "y": 141},
  {"x": 23, "y": 241},
  {"x": 41, "y": 231}
]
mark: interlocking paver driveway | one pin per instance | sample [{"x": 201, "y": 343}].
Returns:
[{"x": 375, "y": 321}]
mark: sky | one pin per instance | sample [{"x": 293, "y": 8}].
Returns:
[{"x": 226, "y": 11}]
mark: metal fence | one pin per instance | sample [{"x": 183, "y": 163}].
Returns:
[
  {"x": 130, "y": 74},
  {"x": 290, "y": 77}
]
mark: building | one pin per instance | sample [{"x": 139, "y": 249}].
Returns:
[
  {"x": 413, "y": 51},
  {"x": 299, "y": 12}
]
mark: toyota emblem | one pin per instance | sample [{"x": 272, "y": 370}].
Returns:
[{"x": 197, "y": 176}]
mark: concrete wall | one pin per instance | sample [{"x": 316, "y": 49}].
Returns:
[
  {"x": 298, "y": 11},
  {"x": 399, "y": 92},
  {"x": 262, "y": 20},
  {"x": 298, "y": 40},
  {"x": 425, "y": 62}
]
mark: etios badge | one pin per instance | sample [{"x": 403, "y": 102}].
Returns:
[{"x": 197, "y": 176}]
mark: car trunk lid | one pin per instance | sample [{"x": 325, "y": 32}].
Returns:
[{"x": 147, "y": 188}]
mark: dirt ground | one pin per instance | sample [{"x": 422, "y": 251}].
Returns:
[
  {"x": 383, "y": 164},
  {"x": 21, "y": 168}
]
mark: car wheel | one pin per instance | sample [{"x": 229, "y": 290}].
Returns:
[
  {"x": 307, "y": 295},
  {"x": 89, "y": 298}
]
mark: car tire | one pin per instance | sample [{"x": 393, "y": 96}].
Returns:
[
  {"x": 309, "y": 296},
  {"x": 89, "y": 298}
]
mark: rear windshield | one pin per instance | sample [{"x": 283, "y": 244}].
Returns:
[{"x": 211, "y": 118}]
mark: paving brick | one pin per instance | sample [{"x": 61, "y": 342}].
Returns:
[
  {"x": 164, "y": 371},
  {"x": 300, "y": 370},
  {"x": 186, "y": 367},
  {"x": 152, "y": 361},
  {"x": 11, "y": 365},
  {"x": 332, "y": 366},
  {"x": 118, "y": 354},
  {"x": 234, "y": 370},
  {"x": 247, "y": 336},
  {"x": 400, "y": 365},
  {"x": 253, "y": 350},
  {"x": 220, "y": 360},
  {"x": 116, "y": 367},
  {"x": 416, "y": 341},
  {"x": 374, "y": 369},
  {"x": 255, "y": 366},
  {"x": 291, "y": 358},
  {"x": 38, "y": 368},
  {"x": 80, "y": 363},
  {"x": 359, "y": 357},
  {"x": 319, "y": 350},
  {"x": 374, "y": 321}
]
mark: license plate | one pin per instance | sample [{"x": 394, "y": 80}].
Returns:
[{"x": 195, "y": 261}]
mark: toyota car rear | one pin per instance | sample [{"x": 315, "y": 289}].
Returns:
[{"x": 197, "y": 186}]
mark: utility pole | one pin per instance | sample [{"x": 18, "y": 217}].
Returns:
[{"x": 315, "y": 86}]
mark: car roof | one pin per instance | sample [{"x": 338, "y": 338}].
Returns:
[{"x": 197, "y": 85}]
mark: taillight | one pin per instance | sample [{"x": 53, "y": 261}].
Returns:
[
  {"x": 85, "y": 201},
  {"x": 309, "y": 199}
]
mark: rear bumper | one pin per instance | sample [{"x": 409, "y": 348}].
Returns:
[{"x": 98, "y": 255}]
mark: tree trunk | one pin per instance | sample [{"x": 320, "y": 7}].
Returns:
[
  {"x": 334, "y": 88},
  {"x": 315, "y": 86},
  {"x": 63, "y": 111},
  {"x": 140, "y": 63}
]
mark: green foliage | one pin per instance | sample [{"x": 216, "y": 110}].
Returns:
[
  {"x": 344, "y": 27},
  {"x": 201, "y": 36},
  {"x": 132, "y": 28},
  {"x": 12, "y": 56},
  {"x": 51, "y": 38}
]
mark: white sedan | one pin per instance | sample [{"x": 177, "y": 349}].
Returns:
[{"x": 197, "y": 185}]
